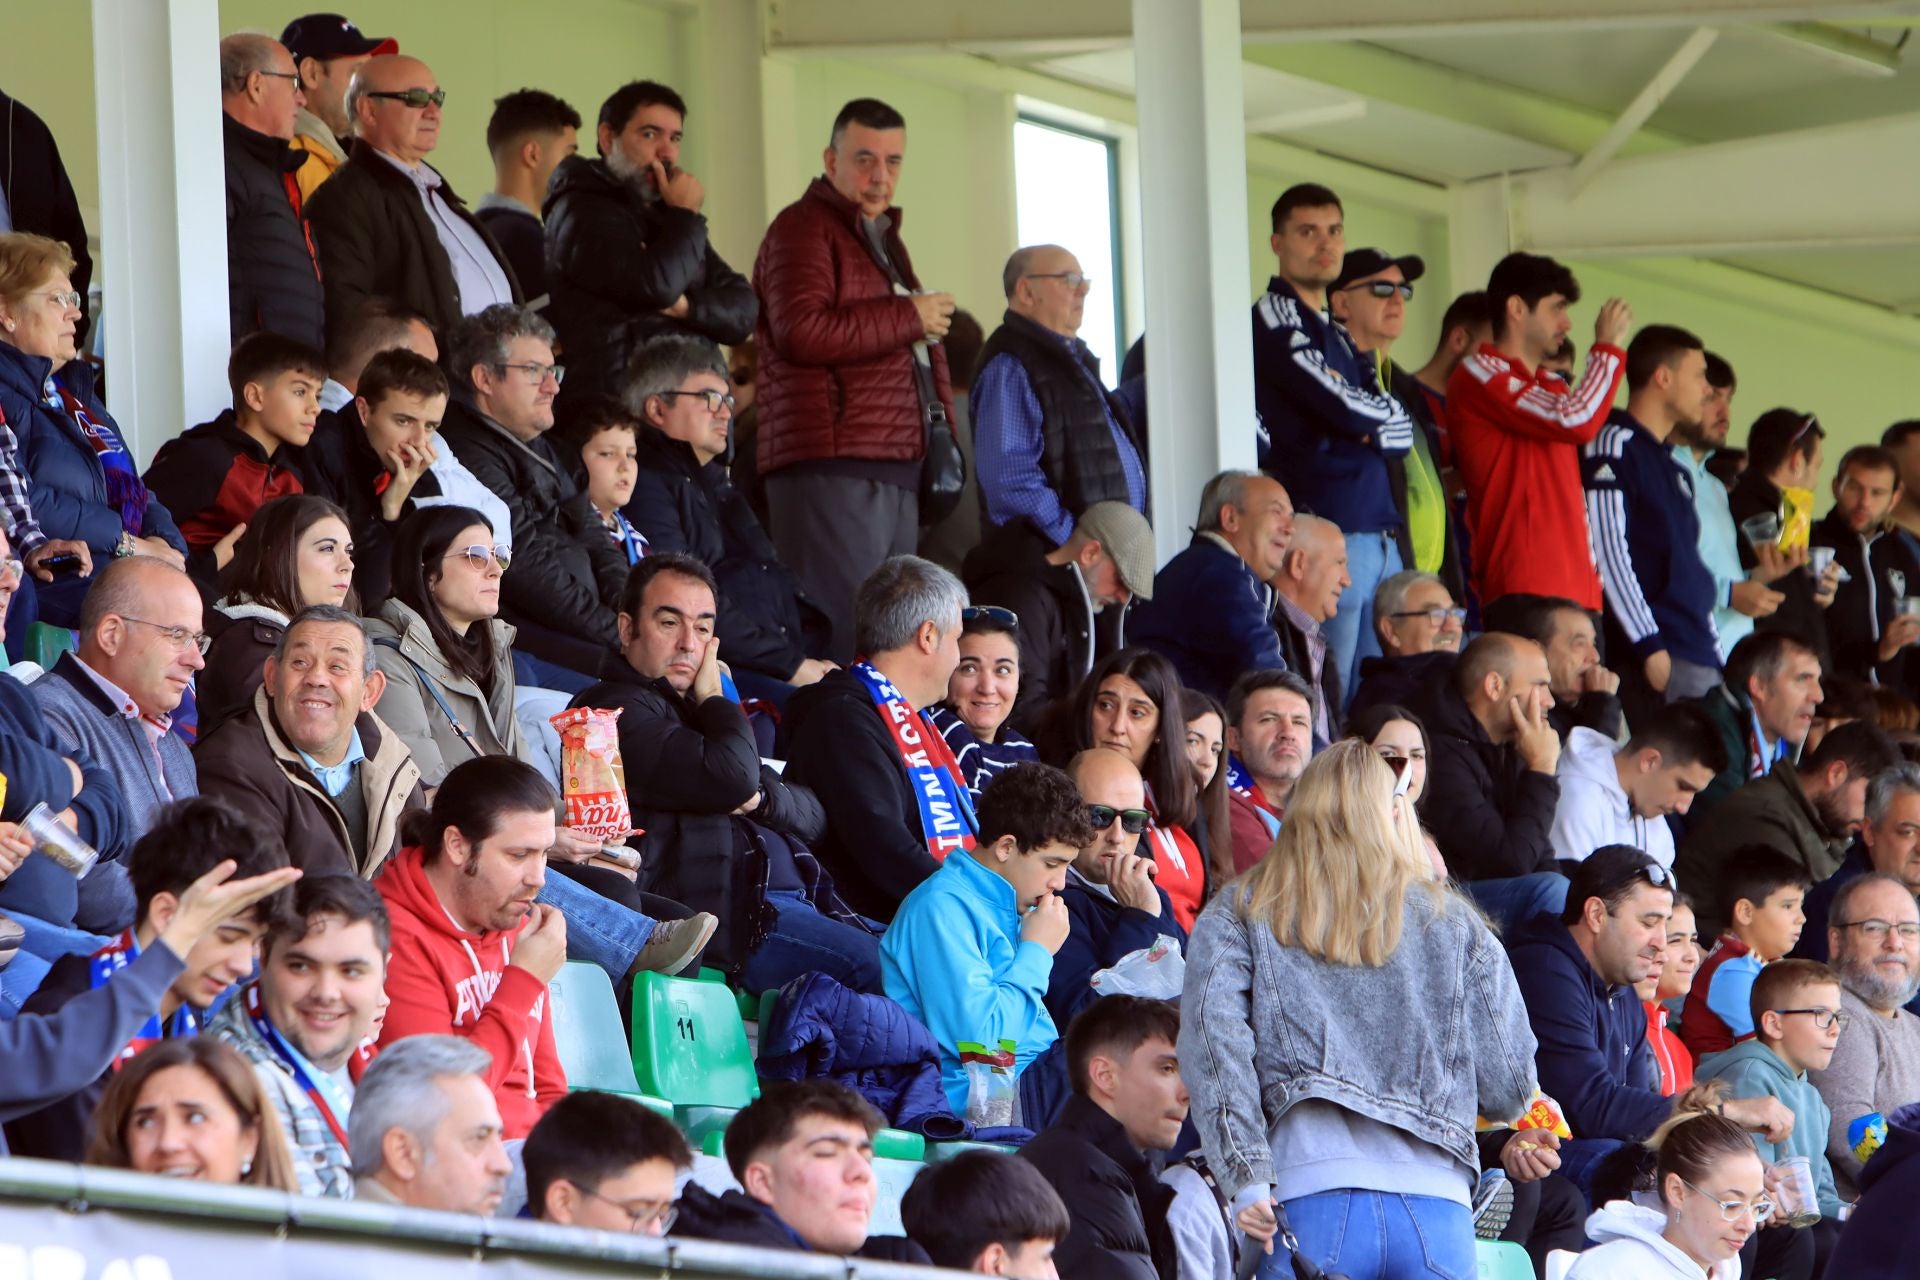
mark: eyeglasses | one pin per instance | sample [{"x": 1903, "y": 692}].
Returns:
[
  {"x": 287, "y": 75},
  {"x": 715, "y": 399},
  {"x": 1073, "y": 279},
  {"x": 478, "y": 554},
  {"x": 539, "y": 372},
  {"x": 415, "y": 97},
  {"x": 649, "y": 1212},
  {"x": 1435, "y": 615},
  {"x": 178, "y": 637},
  {"x": 13, "y": 568},
  {"x": 1730, "y": 1210},
  {"x": 1383, "y": 289},
  {"x": 1876, "y": 930},
  {"x": 1822, "y": 1018},
  {"x": 990, "y": 613},
  {"x": 69, "y": 299},
  {"x": 1132, "y": 821}
]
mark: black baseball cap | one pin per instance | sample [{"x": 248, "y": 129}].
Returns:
[
  {"x": 329, "y": 35},
  {"x": 1361, "y": 263}
]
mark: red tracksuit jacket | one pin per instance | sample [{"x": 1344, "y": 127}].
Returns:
[
  {"x": 445, "y": 981},
  {"x": 1516, "y": 435}
]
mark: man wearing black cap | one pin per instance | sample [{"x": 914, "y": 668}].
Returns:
[
  {"x": 1369, "y": 299},
  {"x": 327, "y": 49},
  {"x": 1327, "y": 431}
]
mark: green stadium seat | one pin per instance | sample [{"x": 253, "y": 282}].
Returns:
[
  {"x": 586, "y": 1031},
  {"x": 938, "y": 1151},
  {"x": 1501, "y": 1260},
  {"x": 46, "y": 642},
  {"x": 690, "y": 1048}
]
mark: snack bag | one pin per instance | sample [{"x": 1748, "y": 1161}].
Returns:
[
  {"x": 993, "y": 1098},
  {"x": 594, "y": 780},
  {"x": 1544, "y": 1113},
  {"x": 1796, "y": 519}
]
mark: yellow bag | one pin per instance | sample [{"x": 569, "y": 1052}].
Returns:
[{"x": 1796, "y": 519}]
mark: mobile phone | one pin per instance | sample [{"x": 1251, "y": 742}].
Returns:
[{"x": 64, "y": 565}]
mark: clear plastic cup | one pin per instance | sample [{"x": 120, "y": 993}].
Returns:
[
  {"x": 59, "y": 841},
  {"x": 1761, "y": 529},
  {"x": 1910, "y": 605},
  {"x": 1818, "y": 558},
  {"x": 1798, "y": 1199}
]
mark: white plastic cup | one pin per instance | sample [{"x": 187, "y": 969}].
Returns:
[
  {"x": 1818, "y": 560},
  {"x": 1761, "y": 529},
  {"x": 58, "y": 841},
  {"x": 1799, "y": 1201}
]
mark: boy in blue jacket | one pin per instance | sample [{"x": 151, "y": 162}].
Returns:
[{"x": 970, "y": 952}]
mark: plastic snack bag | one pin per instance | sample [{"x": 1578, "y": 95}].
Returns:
[
  {"x": 1796, "y": 519},
  {"x": 993, "y": 1096},
  {"x": 594, "y": 779},
  {"x": 1157, "y": 972}
]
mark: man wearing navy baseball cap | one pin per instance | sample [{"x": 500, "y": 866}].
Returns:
[{"x": 327, "y": 49}]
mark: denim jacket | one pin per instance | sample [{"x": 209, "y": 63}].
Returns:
[{"x": 1424, "y": 1042}]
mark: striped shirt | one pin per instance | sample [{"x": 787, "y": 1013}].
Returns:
[{"x": 981, "y": 761}]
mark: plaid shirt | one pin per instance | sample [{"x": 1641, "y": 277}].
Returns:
[{"x": 15, "y": 511}]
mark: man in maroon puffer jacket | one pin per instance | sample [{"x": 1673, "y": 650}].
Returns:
[{"x": 848, "y": 361}]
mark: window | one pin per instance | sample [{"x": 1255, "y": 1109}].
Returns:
[{"x": 1066, "y": 185}]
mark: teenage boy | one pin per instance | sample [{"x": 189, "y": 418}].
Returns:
[
  {"x": 604, "y": 431},
  {"x": 304, "y": 1022},
  {"x": 988, "y": 1213},
  {"x": 970, "y": 952},
  {"x": 1763, "y": 892},
  {"x": 213, "y": 477},
  {"x": 1797, "y": 1021},
  {"x": 602, "y": 1161},
  {"x": 190, "y": 839}
]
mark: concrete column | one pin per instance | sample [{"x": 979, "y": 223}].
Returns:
[
  {"x": 1478, "y": 235},
  {"x": 725, "y": 46},
  {"x": 1193, "y": 206},
  {"x": 163, "y": 224}
]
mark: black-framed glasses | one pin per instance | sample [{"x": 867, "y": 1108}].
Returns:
[
  {"x": 990, "y": 613},
  {"x": 1822, "y": 1018},
  {"x": 1877, "y": 930},
  {"x": 1384, "y": 289},
  {"x": 641, "y": 1214},
  {"x": 539, "y": 372},
  {"x": 1730, "y": 1210},
  {"x": 479, "y": 554},
  {"x": 1436, "y": 615},
  {"x": 413, "y": 97},
  {"x": 716, "y": 400},
  {"x": 1132, "y": 821},
  {"x": 178, "y": 637},
  {"x": 282, "y": 75},
  {"x": 1073, "y": 279}
]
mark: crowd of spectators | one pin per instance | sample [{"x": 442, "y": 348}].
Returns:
[{"x": 1491, "y": 825}]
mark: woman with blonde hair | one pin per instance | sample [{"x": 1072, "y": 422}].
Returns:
[
  {"x": 1346, "y": 1017},
  {"x": 192, "y": 1108}
]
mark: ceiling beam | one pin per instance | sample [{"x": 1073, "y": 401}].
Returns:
[
  {"x": 1308, "y": 117},
  {"x": 1644, "y": 104}
]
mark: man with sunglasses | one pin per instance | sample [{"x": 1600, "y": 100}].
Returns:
[
  {"x": 1327, "y": 430},
  {"x": 386, "y": 224},
  {"x": 1115, "y": 907},
  {"x": 1051, "y": 440}
]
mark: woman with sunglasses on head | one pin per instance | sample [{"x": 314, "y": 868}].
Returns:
[
  {"x": 1785, "y": 449},
  {"x": 297, "y": 551},
  {"x": 980, "y": 694},
  {"x": 1131, "y": 704},
  {"x": 63, "y": 451}
]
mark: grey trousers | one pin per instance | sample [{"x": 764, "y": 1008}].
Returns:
[{"x": 833, "y": 531}]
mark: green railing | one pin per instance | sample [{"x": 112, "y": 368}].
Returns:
[{"x": 130, "y": 1226}]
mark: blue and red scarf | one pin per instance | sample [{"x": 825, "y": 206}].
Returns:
[
  {"x": 296, "y": 1064},
  {"x": 111, "y": 959},
  {"x": 125, "y": 492},
  {"x": 946, "y": 806}
]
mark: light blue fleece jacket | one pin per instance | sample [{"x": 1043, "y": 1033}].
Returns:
[
  {"x": 1752, "y": 1070},
  {"x": 953, "y": 956}
]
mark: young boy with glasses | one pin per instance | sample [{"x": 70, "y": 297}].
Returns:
[
  {"x": 603, "y": 1161},
  {"x": 1797, "y": 1020}
]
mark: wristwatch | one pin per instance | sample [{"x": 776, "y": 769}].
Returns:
[{"x": 125, "y": 547}]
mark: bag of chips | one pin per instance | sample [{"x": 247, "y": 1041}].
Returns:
[{"x": 595, "y": 781}]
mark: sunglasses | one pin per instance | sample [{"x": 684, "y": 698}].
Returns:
[
  {"x": 478, "y": 554},
  {"x": 990, "y": 613},
  {"x": 415, "y": 97},
  {"x": 1383, "y": 289},
  {"x": 1132, "y": 821}
]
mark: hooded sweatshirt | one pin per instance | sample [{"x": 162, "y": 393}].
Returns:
[
  {"x": 1632, "y": 1248},
  {"x": 1753, "y": 1070},
  {"x": 1594, "y": 811},
  {"x": 444, "y": 980}
]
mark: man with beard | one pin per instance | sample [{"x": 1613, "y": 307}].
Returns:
[
  {"x": 1889, "y": 842},
  {"x": 1868, "y": 629},
  {"x": 1808, "y": 811},
  {"x": 627, "y": 245},
  {"x": 1874, "y": 936},
  {"x": 1658, "y": 591},
  {"x": 1269, "y": 740}
]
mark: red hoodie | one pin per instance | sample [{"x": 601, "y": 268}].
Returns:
[
  {"x": 1516, "y": 434},
  {"x": 445, "y": 981}
]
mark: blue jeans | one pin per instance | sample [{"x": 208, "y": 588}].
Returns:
[
  {"x": 804, "y": 941},
  {"x": 1514, "y": 901},
  {"x": 599, "y": 929},
  {"x": 39, "y": 948},
  {"x": 1372, "y": 558},
  {"x": 1376, "y": 1235}
]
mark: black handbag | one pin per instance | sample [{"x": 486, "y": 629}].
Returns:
[{"x": 943, "y": 471}]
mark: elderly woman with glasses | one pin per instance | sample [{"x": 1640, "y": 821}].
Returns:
[
  {"x": 980, "y": 694},
  {"x": 68, "y": 482}
]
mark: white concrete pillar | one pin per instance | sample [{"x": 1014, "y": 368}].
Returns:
[
  {"x": 1478, "y": 231},
  {"x": 1193, "y": 206},
  {"x": 725, "y": 44},
  {"x": 163, "y": 223}
]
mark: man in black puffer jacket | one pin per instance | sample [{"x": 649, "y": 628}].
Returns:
[
  {"x": 272, "y": 282},
  {"x": 683, "y": 500},
  {"x": 564, "y": 584},
  {"x": 628, "y": 258}
]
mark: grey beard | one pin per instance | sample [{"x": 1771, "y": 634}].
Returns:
[
  {"x": 1864, "y": 980},
  {"x": 631, "y": 174}
]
